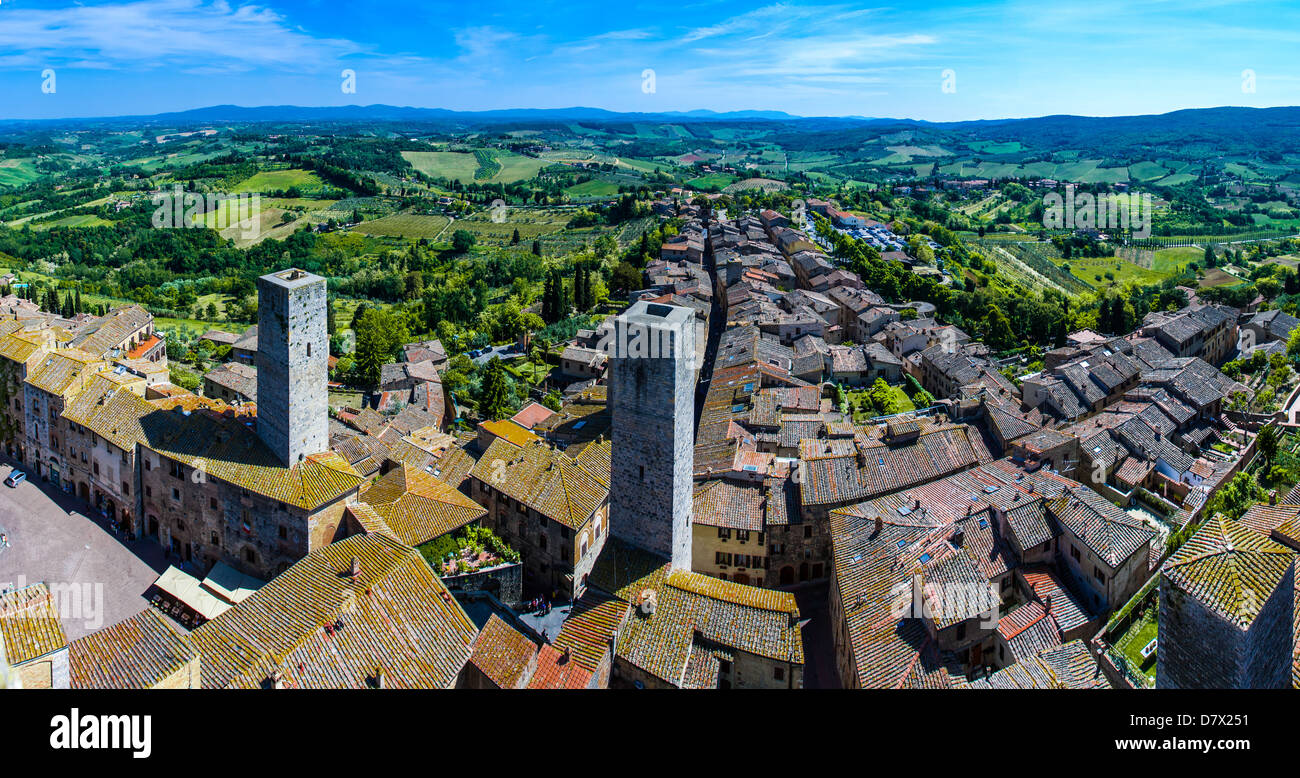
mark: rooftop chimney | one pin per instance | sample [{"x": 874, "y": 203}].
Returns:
[
  {"x": 880, "y": 524},
  {"x": 354, "y": 571}
]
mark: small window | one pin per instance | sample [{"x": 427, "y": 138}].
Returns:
[
  {"x": 778, "y": 673},
  {"x": 284, "y": 533},
  {"x": 212, "y": 503},
  {"x": 216, "y": 539},
  {"x": 309, "y": 349}
]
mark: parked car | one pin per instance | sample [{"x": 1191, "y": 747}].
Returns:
[{"x": 15, "y": 477}]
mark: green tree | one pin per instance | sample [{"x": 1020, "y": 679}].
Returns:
[
  {"x": 462, "y": 241},
  {"x": 379, "y": 334},
  {"x": 1267, "y": 443},
  {"x": 1236, "y": 497},
  {"x": 999, "y": 335},
  {"x": 495, "y": 400}
]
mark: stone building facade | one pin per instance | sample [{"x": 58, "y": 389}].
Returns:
[
  {"x": 651, "y": 397},
  {"x": 292, "y": 364}
]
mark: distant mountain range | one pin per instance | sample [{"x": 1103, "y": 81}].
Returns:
[
  {"x": 296, "y": 113},
  {"x": 1275, "y": 129}
]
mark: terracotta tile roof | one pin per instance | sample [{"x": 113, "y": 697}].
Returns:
[
  {"x": 720, "y": 503},
  {"x": 587, "y": 633},
  {"x": 531, "y": 415},
  {"x": 111, "y": 412},
  {"x": 695, "y": 611},
  {"x": 137, "y": 653},
  {"x": 554, "y": 671},
  {"x": 60, "y": 370},
  {"x": 503, "y": 654},
  {"x": 226, "y": 449},
  {"x": 1065, "y": 608},
  {"x": 1229, "y": 568},
  {"x": 563, "y": 488},
  {"x": 109, "y": 331},
  {"x": 1069, "y": 666},
  {"x": 29, "y": 624},
  {"x": 418, "y": 507},
  {"x": 1029, "y": 630},
  {"x": 1109, "y": 532},
  {"x": 879, "y": 468},
  {"x": 319, "y": 628}
]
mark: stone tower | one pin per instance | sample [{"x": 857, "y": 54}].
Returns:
[
  {"x": 652, "y": 403},
  {"x": 1226, "y": 600},
  {"x": 292, "y": 364}
]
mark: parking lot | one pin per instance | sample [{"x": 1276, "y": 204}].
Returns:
[{"x": 50, "y": 540}]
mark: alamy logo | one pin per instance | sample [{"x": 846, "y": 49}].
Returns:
[
  {"x": 93, "y": 732},
  {"x": 181, "y": 209},
  {"x": 1088, "y": 212}
]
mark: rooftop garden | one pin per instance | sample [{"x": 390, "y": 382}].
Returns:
[
  {"x": 1131, "y": 635},
  {"x": 467, "y": 551}
]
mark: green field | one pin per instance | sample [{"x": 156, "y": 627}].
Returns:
[
  {"x": 711, "y": 180},
  {"x": 405, "y": 225},
  {"x": 279, "y": 180},
  {"x": 452, "y": 165},
  {"x": 594, "y": 188},
  {"x": 1172, "y": 260},
  {"x": 1092, "y": 271},
  {"x": 16, "y": 172},
  {"x": 531, "y": 223},
  {"x": 78, "y": 220},
  {"x": 463, "y": 166}
]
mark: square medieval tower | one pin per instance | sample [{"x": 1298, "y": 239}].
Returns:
[
  {"x": 651, "y": 397},
  {"x": 292, "y": 364}
]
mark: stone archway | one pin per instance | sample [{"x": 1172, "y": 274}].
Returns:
[{"x": 83, "y": 491}]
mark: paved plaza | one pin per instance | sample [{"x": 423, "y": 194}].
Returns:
[{"x": 51, "y": 540}]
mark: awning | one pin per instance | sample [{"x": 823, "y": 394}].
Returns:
[
  {"x": 188, "y": 590},
  {"x": 229, "y": 584}
]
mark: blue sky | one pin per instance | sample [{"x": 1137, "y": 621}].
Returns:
[{"x": 1008, "y": 59}]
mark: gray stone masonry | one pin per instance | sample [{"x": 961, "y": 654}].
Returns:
[
  {"x": 651, "y": 397},
  {"x": 292, "y": 364}
]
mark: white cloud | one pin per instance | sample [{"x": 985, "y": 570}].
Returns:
[{"x": 149, "y": 33}]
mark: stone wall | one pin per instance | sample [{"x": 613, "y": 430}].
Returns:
[{"x": 505, "y": 582}]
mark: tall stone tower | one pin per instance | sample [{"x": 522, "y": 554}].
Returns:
[
  {"x": 1226, "y": 602},
  {"x": 292, "y": 364},
  {"x": 652, "y": 402}
]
